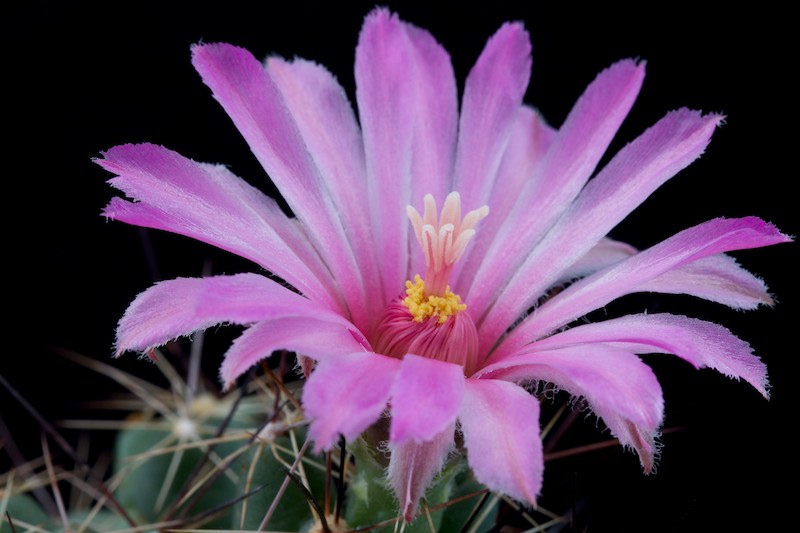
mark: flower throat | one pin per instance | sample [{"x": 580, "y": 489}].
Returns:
[{"x": 429, "y": 319}]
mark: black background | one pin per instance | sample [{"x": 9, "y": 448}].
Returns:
[{"x": 79, "y": 78}]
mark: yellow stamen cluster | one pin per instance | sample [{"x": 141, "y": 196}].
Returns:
[{"x": 422, "y": 306}]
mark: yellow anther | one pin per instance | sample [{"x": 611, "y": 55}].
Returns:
[{"x": 423, "y": 307}]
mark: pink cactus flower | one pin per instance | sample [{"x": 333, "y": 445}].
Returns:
[{"x": 420, "y": 268}]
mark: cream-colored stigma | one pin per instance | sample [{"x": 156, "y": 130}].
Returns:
[{"x": 443, "y": 239}]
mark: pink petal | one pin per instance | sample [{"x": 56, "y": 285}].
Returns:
[
  {"x": 590, "y": 293},
  {"x": 531, "y": 138},
  {"x": 717, "y": 278},
  {"x": 249, "y": 96},
  {"x": 325, "y": 119},
  {"x": 603, "y": 254},
  {"x": 493, "y": 93},
  {"x": 500, "y": 422},
  {"x": 576, "y": 149},
  {"x": 346, "y": 394},
  {"x": 434, "y": 137},
  {"x": 703, "y": 344},
  {"x": 631, "y": 176},
  {"x": 211, "y": 204},
  {"x": 327, "y": 123},
  {"x": 308, "y": 336},
  {"x": 619, "y": 387},
  {"x": 424, "y": 386},
  {"x": 386, "y": 95},
  {"x": 436, "y": 110},
  {"x": 182, "y": 306},
  {"x": 413, "y": 466},
  {"x": 527, "y": 145}
]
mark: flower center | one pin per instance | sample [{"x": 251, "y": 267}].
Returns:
[
  {"x": 423, "y": 306},
  {"x": 428, "y": 320}
]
